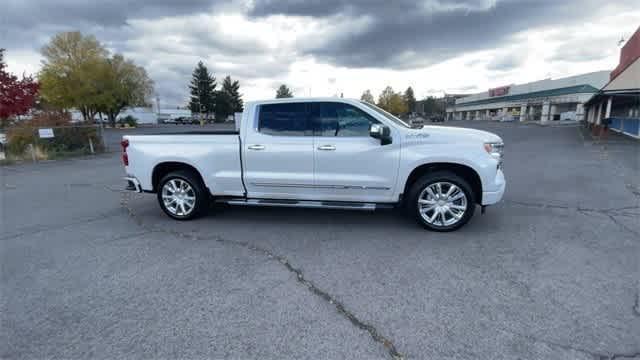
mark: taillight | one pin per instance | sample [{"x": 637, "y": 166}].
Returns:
[{"x": 125, "y": 158}]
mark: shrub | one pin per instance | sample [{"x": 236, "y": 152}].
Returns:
[
  {"x": 128, "y": 120},
  {"x": 68, "y": 138}
]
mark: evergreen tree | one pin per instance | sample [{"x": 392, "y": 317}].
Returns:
[
  {"x": 223, "y": 106},
  {"x": 232, "y": 88},
  {"x": 410, "y": 99},
  {"x": 202, "y": 89},
  {"x": 283, "y": 92}
]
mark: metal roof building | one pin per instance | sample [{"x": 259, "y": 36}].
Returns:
[{"x": 544, "y": 100}]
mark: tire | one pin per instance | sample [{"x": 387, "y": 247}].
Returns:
[
  {"x": 182, "y": 208},
  {"x": 420, "y": 199}
]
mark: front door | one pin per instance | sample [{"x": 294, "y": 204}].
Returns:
[
  {"x": 278, "y": 153},
  {"x": 350, "y": 165}
]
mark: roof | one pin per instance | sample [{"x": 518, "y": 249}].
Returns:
[
  {"x": 577, "y": 89},
  {"x": 304, "y": 99}
]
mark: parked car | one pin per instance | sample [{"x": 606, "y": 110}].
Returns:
[{"x": 321, "y": 153}]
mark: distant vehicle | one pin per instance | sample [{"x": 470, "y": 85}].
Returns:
[
  {"x": 321, "y": 153},
  {"x": 437, "y": 118}
]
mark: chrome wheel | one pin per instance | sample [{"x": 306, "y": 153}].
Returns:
[
  {"x": 178, "y": 197},
  {"x": 442, "y": 204}
]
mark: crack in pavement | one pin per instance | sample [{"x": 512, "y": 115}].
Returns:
[
  {"x": 373, "y": 332},
  {"x": 610, "y": 212},
  {"x": 622, "y": 356}
]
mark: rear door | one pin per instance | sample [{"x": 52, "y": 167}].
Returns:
[
  {"x": 350, "y": 165},
  {"x": 278, "y": 153}
]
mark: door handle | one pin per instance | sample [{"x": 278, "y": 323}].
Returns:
[
  {"x": 326, "y": 147},
  {"x": 255, "y": 147}
]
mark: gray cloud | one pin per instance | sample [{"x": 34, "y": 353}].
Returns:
[
  {"x": 507, "y": 61},
  {"x": 406, "y": 34}
]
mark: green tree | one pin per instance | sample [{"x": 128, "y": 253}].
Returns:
[
  {"x": 202, "y": 90},
  {"x": 232, "y": 88},
  {"x": 123, "y": 84},
  {"x": 392, "y": 102},
  {"x": 283, "y": 92},
  {"x": 223, "y": 105},
  {"x": 410, "y": 99},
  {"x": 366, "y": 96},
  {"x": 70, "y": 73}
]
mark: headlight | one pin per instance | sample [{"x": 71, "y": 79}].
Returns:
[{"x": 495, "y": 149}]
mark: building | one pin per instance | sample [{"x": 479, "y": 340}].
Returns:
[
  {"x": 544, "y": 100},
  {"x": 618, "y": 102},
  {"x": 438, "y": 104}
]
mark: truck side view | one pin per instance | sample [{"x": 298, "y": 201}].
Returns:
[{"x": 323, "y": 153}]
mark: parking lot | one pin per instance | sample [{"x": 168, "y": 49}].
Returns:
[{"x": 552, "y": 272}]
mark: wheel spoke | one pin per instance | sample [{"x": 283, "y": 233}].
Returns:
[
  {"x": 451, "y": 190},
  {"x": 457, "y": 196},
  {"x": 433, "y": 216},
  {"x": 426, "y": 202},
  {"x": 458, "y": 207},
  {"x": 439, "y": 189}
]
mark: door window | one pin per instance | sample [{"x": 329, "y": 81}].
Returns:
[
  {"x": 341, "y": 120},
  {"x": 289, "y": 119}
]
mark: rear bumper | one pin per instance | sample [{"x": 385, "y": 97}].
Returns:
[
  {"x": 133, "y": 184},
  {"x": 492, "y": 197}
]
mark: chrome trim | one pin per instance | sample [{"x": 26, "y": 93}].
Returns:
[
  {"x": 306, "y": 186},
  {"x": 304, "y": 204},
  {"x": 135, "y": 182}
]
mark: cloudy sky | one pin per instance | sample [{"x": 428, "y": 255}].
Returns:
[{"x": 327, "y": 47}]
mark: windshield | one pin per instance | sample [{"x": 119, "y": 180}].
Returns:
[{"x": 388, "y": 116}]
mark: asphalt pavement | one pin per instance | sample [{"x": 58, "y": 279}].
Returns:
[{"x": 552, "y": 272}]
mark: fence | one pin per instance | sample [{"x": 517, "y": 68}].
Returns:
[{"x": 26, "y": 143}]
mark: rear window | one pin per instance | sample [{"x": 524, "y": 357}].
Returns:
[{"x": 288, "y": 119}]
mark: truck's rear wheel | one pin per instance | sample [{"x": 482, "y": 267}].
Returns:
[
  {"x": 182, "y": 195},
  {"x": 441, "y": 201}
]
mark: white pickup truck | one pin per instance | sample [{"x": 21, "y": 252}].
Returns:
[{"x": 322, "y": 153}]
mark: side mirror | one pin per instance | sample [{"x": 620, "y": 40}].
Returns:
[{"x": 382, "y": 133}]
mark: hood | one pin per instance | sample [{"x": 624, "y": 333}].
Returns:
[{"x": 451, "y": 133}]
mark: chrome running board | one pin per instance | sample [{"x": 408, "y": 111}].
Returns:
[{"x": 304, "y": 204}]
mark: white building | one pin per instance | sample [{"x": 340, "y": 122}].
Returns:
[{"x": 544, "y": 100}]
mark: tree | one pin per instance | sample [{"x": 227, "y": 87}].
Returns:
[
  {"x": 123, "y": 84},
  {"x": 223, "y": 105},
  {"x": 410, "y": 99},
  {"x": 392, "y": 102},
  {"x": 366, "y": 96},
  {"x": 232, "y": 88},
  {"x": 70, "y": 73},
  {"x": 202, "y": 88},
  {"x": 17, "y": 96},
  {"x": 283, "y": 92},
  {"x": 433, "y": 106}
]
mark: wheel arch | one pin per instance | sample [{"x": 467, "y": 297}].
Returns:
[
  {"x": 464, "y": 171},
  {"x": 163, "y": 168}
]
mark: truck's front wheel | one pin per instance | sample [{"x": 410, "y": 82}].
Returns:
[
  {"x": 182, "y": 195},
  {"x": 441, "y": 201}
]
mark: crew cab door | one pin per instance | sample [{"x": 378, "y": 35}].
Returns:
[
  {"x": 278, "y": 153},
  {"x": 350, "y": 165}
]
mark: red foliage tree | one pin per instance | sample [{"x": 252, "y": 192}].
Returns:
[{"x": 16, "y": 95}]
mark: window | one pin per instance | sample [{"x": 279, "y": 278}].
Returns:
[
  {"x": 339, "y": 119},
  {"x": 288, "y": 119},
  {"x": 387, "y": 115}
]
